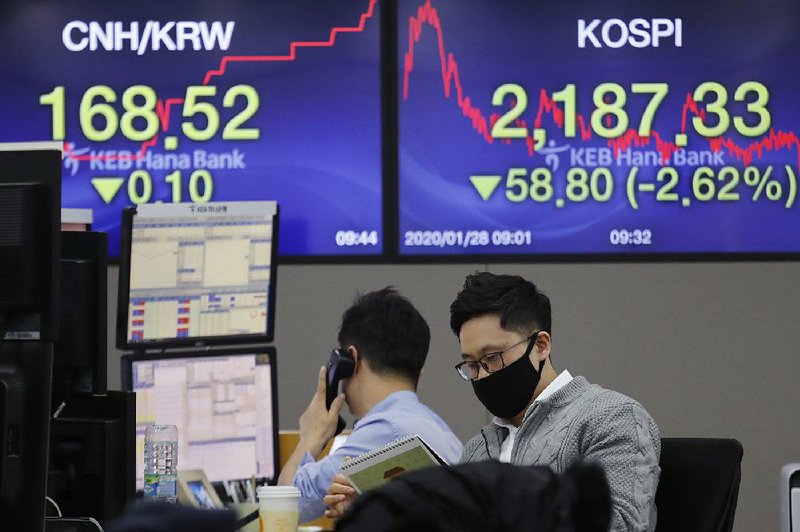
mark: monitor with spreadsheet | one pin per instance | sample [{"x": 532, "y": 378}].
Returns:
[
  {"x": 197, "y": 274},
  {"x": 224, "y": 404}
]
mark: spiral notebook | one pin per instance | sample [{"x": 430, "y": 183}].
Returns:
[{"x": 378, "y": 466}]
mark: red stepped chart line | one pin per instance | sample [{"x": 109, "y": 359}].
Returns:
[
  {"x": 163, "y": 109},
  {"x": 428, "y": 15},
  {"x": 87, "y": 157}
]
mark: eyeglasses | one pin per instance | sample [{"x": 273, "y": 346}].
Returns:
[{"x": 491, "y": 362}]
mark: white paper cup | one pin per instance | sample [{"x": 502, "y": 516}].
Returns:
[{"x": 279, "y": 508}]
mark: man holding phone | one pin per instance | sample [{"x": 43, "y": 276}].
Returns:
[
  {"x": 383, "y": 344},
  {"x": 541, "y": 417}
]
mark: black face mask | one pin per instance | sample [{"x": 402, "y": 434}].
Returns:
[{"x": 507, "y": 392}]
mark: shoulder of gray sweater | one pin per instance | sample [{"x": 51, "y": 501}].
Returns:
[
  {"x": 475, "y": 445},
  {"x": 580, "y": 392},
  {"x": 591, "y": 402}
]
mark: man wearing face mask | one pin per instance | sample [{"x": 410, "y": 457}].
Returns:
[{"x": 541, "y": 417}]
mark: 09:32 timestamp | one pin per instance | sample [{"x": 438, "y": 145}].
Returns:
[{"x": 630, "y": 237}]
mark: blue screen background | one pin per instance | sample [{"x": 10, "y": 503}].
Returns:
[
  {"x": 535, "y": 45},
  {"x": 319, "y": 152}
]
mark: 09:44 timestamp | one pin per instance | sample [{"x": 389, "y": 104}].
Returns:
[{"x": 356, "y": 238}]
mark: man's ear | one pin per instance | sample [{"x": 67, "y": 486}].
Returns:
[
  {"x": 354, "y": 354},
  {"x": 542, "y": 345}
]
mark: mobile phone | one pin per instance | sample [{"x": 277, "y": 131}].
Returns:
[{"x": 340, "y": 366}]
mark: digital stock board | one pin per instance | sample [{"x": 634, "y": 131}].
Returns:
[
  {"x": 172, "y": 101},
  {"x": 536, "y": 128},
  {"x": 598, "y": 128}
]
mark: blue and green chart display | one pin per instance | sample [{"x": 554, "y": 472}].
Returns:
[
  {"x": 528, "y": 128},
  {"x": 585, "y": 127},
  {"x": 173, "y": 101}
]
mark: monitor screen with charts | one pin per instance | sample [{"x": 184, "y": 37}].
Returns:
[
  {"x": 197, "y": 274},
  {"x": 224, "y": 404}
]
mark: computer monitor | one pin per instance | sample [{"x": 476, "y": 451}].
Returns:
[
  {"x": 224, "y": 404},
  {"x": 30, "y": 195},
  {"x": 197, "y": 274},
  {"x": 79, "y": 363},
  {"x": 92, "y": 452},
  {"x": 25, "y": 373}
]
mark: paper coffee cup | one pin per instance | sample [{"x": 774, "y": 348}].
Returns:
[{"x": 279, "y": 508}]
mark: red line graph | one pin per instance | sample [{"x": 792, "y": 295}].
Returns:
[
  {"x": 163, "y": 109},
  {"x": 427, "y": 15}
]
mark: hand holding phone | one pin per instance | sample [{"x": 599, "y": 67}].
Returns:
[{"x": 340, "y": 366}]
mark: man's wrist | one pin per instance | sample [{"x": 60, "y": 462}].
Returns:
[{"x": 311, "y": 445}]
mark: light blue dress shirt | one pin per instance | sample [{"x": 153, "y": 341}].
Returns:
[{"x": 398, "y": 415}]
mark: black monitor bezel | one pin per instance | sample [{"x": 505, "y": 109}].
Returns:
[
  {"x": 127, "y": 381},
  {"x": 123, "y": 299}
]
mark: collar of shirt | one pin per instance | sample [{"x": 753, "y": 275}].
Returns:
[
  {"x": 404, "y": 396},
  {"x": 559, "y": 382}
]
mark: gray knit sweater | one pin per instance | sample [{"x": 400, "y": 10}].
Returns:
[{"x": 584, "y": 422}]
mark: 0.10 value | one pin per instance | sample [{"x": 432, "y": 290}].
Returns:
[
  {"x": 140, "y": 118},
  {"x": 200, "y": 186}
]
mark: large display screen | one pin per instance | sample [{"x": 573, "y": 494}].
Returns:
[
  {"x": 173, "y": 101},
  {"x": 594, "y": 128}
]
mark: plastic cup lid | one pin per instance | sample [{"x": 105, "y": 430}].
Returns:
[{"x": 277, "y": 491}]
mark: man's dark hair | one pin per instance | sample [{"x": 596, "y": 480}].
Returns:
[
  {"x": 388, "y": 332},
  {"x": 520, "y": 305}
]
